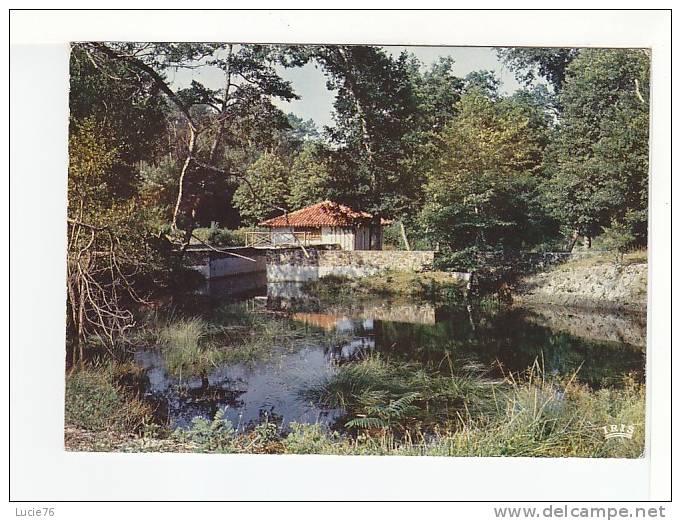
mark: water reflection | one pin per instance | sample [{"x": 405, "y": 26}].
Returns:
[
  {"x": 604, "y": 347},
  {"x": 247, "y": 394}
]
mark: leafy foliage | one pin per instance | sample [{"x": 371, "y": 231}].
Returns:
[
  {"x": 216, "y": 435},
  {"x": 263, "y": 192},
  {"x": 309, "y": 181},
  {"x": 597, "y": 163},
  {"x": 530, "y": 63},
  {"x": 482, "y": 190}
]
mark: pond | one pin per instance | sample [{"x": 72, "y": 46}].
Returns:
[{"x": 602, "y": 347}]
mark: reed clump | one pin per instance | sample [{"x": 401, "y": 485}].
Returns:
[{"x": 193, "y": 345}]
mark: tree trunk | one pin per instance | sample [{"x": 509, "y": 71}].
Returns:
[
  {"x": 183, "y": 173},
  {"x": 349, "y": 80},
  {"x": 572, "y": 241},
  {"x": 81, "y": 325},
  {"x": 223, "y": 108}
]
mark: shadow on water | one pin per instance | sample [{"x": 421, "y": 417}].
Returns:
[{"x": 604, "y": 347}]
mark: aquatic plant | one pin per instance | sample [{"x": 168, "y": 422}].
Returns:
[
  {"x": 380, "y": 416},
  {"x": 216, "y": 435},
  {"x": 535, "y": 416},
  {"x": 379, "y": 393}
]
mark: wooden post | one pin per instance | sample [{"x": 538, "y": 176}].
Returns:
[{"x": 404, "y": 236}]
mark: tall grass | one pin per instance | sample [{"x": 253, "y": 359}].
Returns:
[
  {"x": 533, "y": 416},
  {"x": 96, "y": 402},
  {"x": 194, "y": 345},
  {"x": 398, "y": 409},
  {"x": 388, "y": 394}
]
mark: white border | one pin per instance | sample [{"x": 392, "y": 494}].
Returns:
[{"x": 39, "y": 83}]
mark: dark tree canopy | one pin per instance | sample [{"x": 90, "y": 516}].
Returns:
[{"x": 531, "y": 63}]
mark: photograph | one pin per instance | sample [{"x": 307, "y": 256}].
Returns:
[{"x": 356, "y": 249}]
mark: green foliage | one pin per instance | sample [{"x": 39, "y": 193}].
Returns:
[
  {"x": 437, "y": 91},
  {"x": 216, "y": 435},
  {"x": 116, "y": 255},
  {"x": 483, "y": 82},
  {"x": 309, "y": 179},
  {"x": 530, "y": 63},
  {"x": 466, "y": 259},
  {"x": 264, "y": 191},
  {"x": 310, "y": 439},
  {"x": 619, "y": 238},
  {"x": 95, "y": 178},
  {"x": 219, "y": 236},
  {"x": 387, "y": 394},
  {"x": 385, "y": 416},
  {"x": 375, "y": 111},
  {"x": 535, "y": 417},
  {"x": 530, "y": 417},
  {"x": 392, "y": 237},
  {"x": 597, "y": 164},
  {"x": 438, "y": 286},
  {"x": 134, "y": 112},
  {"x": 482, "y": 190}
]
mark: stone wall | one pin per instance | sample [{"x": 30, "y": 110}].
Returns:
[
  {"x": 526, "y": 262},
  {"x": 379, "y": 259},
  {"x": 295, "y": 265}
]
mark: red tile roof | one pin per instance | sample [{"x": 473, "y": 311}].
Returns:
[{"x": 326, "y": 213}]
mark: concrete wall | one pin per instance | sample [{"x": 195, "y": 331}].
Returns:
[
  {"x": 212, "y": 264},
  {"x": 236, "y": 266}
]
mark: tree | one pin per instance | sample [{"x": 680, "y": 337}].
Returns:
[
  {"x": 485, "y": 82},
  {"x": 309, "y": 180},
  {"x": 206, "y": 114},
  {"x": 481, "y": 191},
  {"x": 597, "y": 165},
  {"x": 529, "y": 63},
  {"x": 113, "y": 258},
  {"x": 373, "y": 111},
  {"x": 291, "y": 140},
  {"x": 263, "y": 191},
  {"x": 436, "y": 90}
]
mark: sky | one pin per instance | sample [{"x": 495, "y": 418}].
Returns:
[{"x": 316, "y": 102}]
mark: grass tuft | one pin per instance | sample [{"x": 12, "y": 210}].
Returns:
[{"x": 94, "y": 401}]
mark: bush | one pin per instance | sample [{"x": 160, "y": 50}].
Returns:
[
  {"x": 219, "y": 236},
  {"x": 392, "y": 237},
  {"x": 217, "y": 435},
  {"x": 461, "y": 260},
  {"x": 619, "y": 238}
]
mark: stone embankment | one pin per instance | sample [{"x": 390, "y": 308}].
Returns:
[{"x": 590, "y": 283}]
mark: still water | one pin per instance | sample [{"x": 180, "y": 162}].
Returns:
[{"x": 604, "y": 347}]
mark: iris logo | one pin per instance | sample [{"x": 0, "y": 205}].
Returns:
[{"x": 620, "y": 431}]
